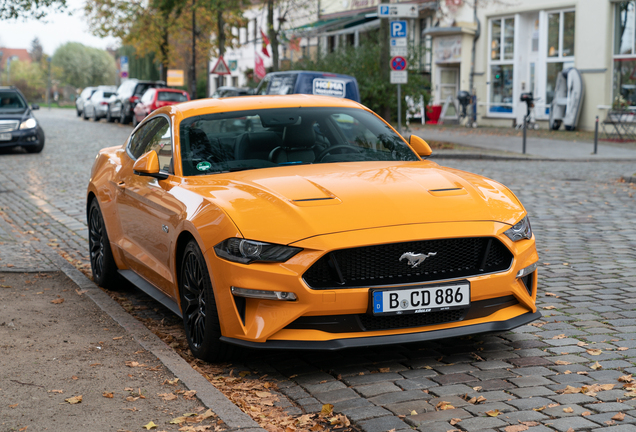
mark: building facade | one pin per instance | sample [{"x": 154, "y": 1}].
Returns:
[{"x": 504, "y": 48}]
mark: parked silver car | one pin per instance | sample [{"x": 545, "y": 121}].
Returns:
[
  {"x": 96, "y": 106},
  {"x": 82, "y": 98}
]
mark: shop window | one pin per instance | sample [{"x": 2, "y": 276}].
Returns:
[
  {"x": 624, "y": 91},
  {"x": 560, "y": 54},
  {"x": 501, "y": 70}
]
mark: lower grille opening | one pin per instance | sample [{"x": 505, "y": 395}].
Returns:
[
  {"x": 528, "y": 281},
  {"x": 370, "y": 322}
]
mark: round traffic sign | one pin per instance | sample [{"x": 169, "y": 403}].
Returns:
[{"x": 398, "y": 63}]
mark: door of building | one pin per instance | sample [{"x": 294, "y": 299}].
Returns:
[{"x": 448, "y": 87}]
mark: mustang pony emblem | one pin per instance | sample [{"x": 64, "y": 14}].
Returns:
[{"x": 416, "y": 259}]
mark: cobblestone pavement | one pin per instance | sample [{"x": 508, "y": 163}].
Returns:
[{"x": 585, "y": 224}]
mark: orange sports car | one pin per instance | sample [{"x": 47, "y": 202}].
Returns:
[{"x": 306, "y": 222}]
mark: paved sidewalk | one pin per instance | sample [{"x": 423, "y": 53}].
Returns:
[{"x": 535, "y": 147}]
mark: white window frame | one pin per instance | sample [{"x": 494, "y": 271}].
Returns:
[
  {"x": 501, "y": 62},
  {"x": 544, "y": 60},
  {"x": 631, "y": 56}
]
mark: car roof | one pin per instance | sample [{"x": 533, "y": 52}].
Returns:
[
  {"x": 212, "y": 106},
  {"x": 165, "y": 89}
]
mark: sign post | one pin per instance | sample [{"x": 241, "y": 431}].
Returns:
[
  {"x": 123, "y": 64},
  {"x": 398, "y": 34}
]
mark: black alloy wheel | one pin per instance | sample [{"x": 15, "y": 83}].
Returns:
[
  {"x": 200, "y": 317},
  {"x": 102, "y": 262}
]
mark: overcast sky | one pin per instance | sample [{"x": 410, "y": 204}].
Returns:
[{"x": 58, "y": 29}]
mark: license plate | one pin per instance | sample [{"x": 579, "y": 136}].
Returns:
[
  {"x": 422, "y": 299},
  {"x": 5, "y": 137}
]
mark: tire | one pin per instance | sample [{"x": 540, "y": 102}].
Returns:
[
  {"x": 123, "y": 118},
  {"x": 79, "y": 113},
  {"x": 84, "y": 114},
  {"x": 109, "y": 118},
  {"x": 38, "y": 148},
  {"x": 102, "y": 262},
  {"x": 95, "y": 118},
  {"x": 200, "y": 317}
]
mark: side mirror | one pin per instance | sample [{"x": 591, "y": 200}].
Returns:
[
  {"x": 148, "y": 166},
  {"x": 420, "y": 146},
  {"x": 35, "y": 107}
]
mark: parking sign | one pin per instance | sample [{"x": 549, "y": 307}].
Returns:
[{"x": 398, "y": 29}]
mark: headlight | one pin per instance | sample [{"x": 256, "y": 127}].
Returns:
[
  {"x": 29, "y": 123},
  {"x": 246, "y": 251},
  {"x": 520, "y": 231}
]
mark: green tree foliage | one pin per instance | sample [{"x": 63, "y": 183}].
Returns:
[
  {"x": 362, "y": 63},
  {"x": 15, "y": 9},
  {"x": 80, "y": 66},
  {"x": 29, "y": 78}
]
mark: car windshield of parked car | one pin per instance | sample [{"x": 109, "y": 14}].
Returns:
[
  {"x": 107, "y": 95},
  {"x": 11, "y": 102},
  {"x": 171, "y": 97},
  {"x": 237, "y": 141}
]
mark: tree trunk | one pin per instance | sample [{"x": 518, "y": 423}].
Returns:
[
  {"x": 221, "y": 37},
  {"x": 193, "y": 73},
  {"x": 165, "y": 44},
  {"x": 271, "y": 34},
  {"x": 385, "y": 109}
]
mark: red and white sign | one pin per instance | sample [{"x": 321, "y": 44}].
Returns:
[
  {"x": 259, "y": 67},
  {"x": 220, "y": 68},
  {"x": 398, "y": 63}
]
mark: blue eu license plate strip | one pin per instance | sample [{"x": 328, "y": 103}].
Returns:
[{"x": 421, "y": 299}]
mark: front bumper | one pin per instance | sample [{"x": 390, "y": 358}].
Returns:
[
  {"x": 337, "y": 344},
  {"x": 270, "y": 323},
  {"x": 24, "y": 138}
]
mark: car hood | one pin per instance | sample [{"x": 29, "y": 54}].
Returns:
[
  {"x": 288, "y": 204},
  {"x": 16, "y": 114}
]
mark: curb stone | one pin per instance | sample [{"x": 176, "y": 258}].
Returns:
[{"x": 210, "y": 396}]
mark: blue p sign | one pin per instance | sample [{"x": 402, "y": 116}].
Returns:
[{"x": 398, "y": 29}]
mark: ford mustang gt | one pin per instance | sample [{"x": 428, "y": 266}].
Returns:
[{"x": 306, "y": 222}]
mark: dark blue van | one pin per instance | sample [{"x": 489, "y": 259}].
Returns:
[{"x": 309, "y": 82}]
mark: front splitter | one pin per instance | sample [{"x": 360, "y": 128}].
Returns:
[{"x": 338, "y": 344}]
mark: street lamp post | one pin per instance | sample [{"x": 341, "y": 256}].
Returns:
[{"x": 48, "y": 87}]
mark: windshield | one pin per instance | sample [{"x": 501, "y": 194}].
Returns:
[
  {"x": 11, "y": 102},
  {"x": 172, "y": 97},
  {"x": 288, "y": 136}
]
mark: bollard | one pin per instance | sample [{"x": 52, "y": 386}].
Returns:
[
  {"x": 525, "y": 126},
  {"x": 596, "y": 136}
]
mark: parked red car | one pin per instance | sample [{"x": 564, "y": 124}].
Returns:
[{"x": 155, "y": 98}]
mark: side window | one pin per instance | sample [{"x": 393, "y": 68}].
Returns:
[
  {"x": 139, "y": 140},
  {"x": 160, "y": 140},
  {"x": 262, "y": 88},
  {"x": 147, "y": 97}
]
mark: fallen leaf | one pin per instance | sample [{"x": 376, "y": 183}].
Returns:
[
  {"x": 96, "y": 364},
  {"x": 582, "y": 344},
  {"x": 594, "y": 352},
  {"x": 150, "y": 425},
  {"x": 189, "y": 395},
  {"x": 108, "y": 395},
  {"x": 586, "y": 413},
  {"x": 549, "y": 307},
  {"x": 243, "y": 374},
  {"x": 57, "y": 301},
  {"x": 168, "y": 396},
  {"x": 74, "y": 400},
  {"x": 477, "y": 388},
  {"x": 539, "y": 409},
  {"x": 568, "y": 410},
  {"x": 582, "y": 373},
  {"x": 619, "y": 416},
  {"x": 384, "y": 370},
  {"x": 530, "y": 423},
  {"x": 562, "y": 363},
  {"x": 569, "y": 390},
  {"x": 630, "y": 394},
  {"x": 454, "y": 421},
  {"x": 13, "y": 406},
  {"x": 327, "y": 410},
  {"x": 610, "y": 422},
  {"x": 561, "y": 336},
  {"x": 118, "y": 337},
  {"x": 132, "y": 398},
  {"x": 443, "y": 406},
  {"x": 413, "y": 412},
  {"x": 626, "y": 378},
  {"x": 550, "y": 294},
  {"x": 493, "y": 413},
  {"x": 622, "y": 349},
  {"x": 516, "y": 428},
  {"x": 56, "y": 391},
  {"x": 596, "y": 366},
  {"x": 172, "y": 382},
  {"x": 552, "y": 405}
]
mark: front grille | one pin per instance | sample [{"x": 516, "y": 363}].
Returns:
[
  {"x": 380, "y": 265},
  {"x": 370, "y": 322},
  {"x": 8, "y": 125}
]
